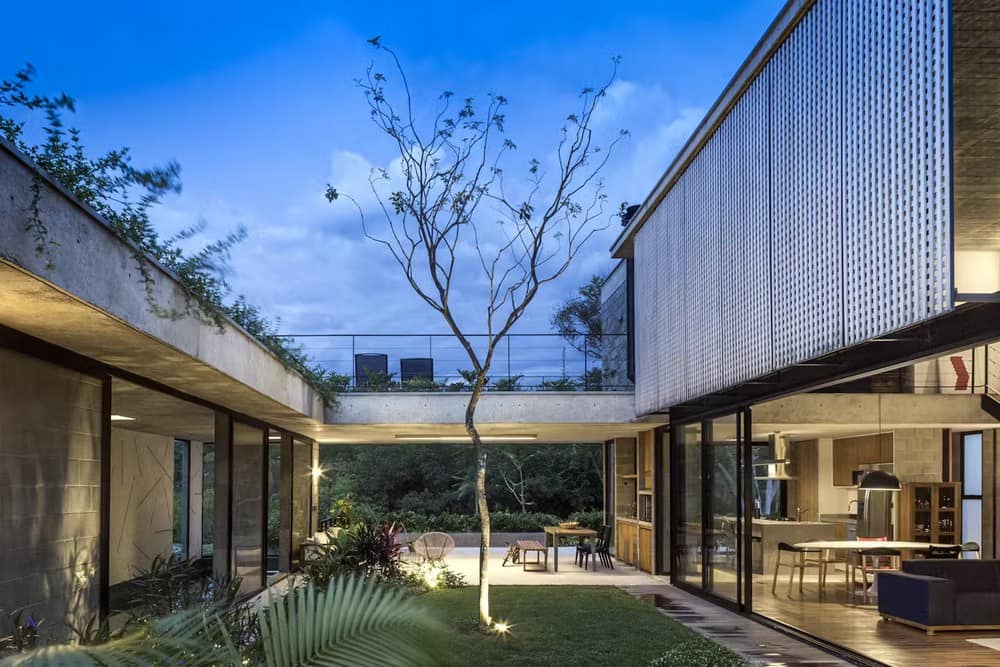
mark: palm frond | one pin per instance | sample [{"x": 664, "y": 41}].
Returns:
[
  {"x": 191, "y": 638},
  {"x": 353, "y": 622}
]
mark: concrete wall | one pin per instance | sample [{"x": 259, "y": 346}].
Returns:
[
  {"x": 96, "y": 267},
  {"x": 142, "y": 500},
  {"x": 917, "y": 454},
  {"x": 50, "y": 475}
]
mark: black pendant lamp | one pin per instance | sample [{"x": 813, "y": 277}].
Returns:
[{"x": 877, "y": 480}]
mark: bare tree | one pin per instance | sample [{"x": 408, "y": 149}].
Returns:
[
  {"x": 441, "y": 208},
  {"x": 514, "y": 480}
]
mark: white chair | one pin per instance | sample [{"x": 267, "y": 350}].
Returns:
[{"x": 433, "y": 547}]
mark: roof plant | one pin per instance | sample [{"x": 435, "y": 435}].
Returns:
[{"x": 123, "y": 194}]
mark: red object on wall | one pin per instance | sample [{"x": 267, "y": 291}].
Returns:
[{"x": 961, "y": 374}]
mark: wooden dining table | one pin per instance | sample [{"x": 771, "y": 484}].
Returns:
[
  {"x": 553, "y": 534},
  {"x": 859, "y": 545}
]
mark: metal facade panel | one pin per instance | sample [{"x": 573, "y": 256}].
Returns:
[
  {"x": 896, "y": 150},
  {"x": 745, "y": 219},
  {"x": 673, "y": 380},
  {"x": 646, "y": 343},
  {"x": 702, "y": 241},
  {"x": 815, "y": 217},
  {"x": 806, "y": 169}
]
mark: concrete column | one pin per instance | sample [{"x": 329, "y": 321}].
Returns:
[
  {"x": 221, "y": 559},
  {"x": 195, "y": 497}
]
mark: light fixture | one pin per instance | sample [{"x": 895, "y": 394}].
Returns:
[
  {"x": 879, "y": 480},
  {"x": 501, "y": 627},
  {"x": 122, "y": 418},
  {"x": 317, "y": 472},
  {"x": 465, "y": 438},
  {"x": 274, "y": 437}
]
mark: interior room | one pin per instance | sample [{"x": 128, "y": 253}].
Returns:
[{"x": 904, "y": 459}]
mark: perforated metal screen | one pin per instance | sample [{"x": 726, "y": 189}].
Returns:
[{"x": 815, "y": 217}]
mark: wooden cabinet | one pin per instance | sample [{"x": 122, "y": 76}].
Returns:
[
  {"x": 931, "y": 512},
  {"x": 849, "y": 454},
  {"x": 634, "y": 488},
  {"x": 645, "y": 548},
  {"x": 626, "y": 541}
]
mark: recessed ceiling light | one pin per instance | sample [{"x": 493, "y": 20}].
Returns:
[{"x": 121, "y": 418}]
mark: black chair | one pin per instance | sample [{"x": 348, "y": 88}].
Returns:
[
  {"x": 370, "y": 369},
  {"x": 416, "y": 368},
  {"x": 943, "y": 552},
  {"x": 601, "y": 549}
]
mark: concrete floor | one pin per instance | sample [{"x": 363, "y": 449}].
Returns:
[{"x": 465, "y": 560}]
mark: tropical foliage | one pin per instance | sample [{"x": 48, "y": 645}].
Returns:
[{"x": 384, "y": 480}]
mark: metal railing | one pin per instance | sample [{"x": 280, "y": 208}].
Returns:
[{"x": 522, "y": 362}]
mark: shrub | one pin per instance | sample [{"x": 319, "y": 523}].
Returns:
[
  {"x": 699, "y": 652},
  {"x": 369, "y": 551},
  {"x": 589, "y": 518}
]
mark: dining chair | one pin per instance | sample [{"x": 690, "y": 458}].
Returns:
[
  {"x": 971, "y": 548},
  {"x": 872, "y": 561},
  {"x": 796, "y": 558},
  {"x": 951, "y": 553},
  {"x": 599, "y": 549}
]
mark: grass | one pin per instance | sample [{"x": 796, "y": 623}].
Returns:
[{"x": 556, "y": 625}]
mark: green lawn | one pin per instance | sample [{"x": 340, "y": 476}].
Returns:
[{"x": 556, "y": 625}]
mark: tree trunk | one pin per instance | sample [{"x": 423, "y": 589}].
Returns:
[{"x": 485, "y": 620}]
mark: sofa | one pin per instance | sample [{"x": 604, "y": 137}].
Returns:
[{"x": 942, "y": 594}]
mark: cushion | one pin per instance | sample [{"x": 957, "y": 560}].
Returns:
[
  {"x": 977, "y": 609},
  {"x": 322, "y": 537}
]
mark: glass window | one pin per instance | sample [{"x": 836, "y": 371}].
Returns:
[
  {"x": 688, "y": 550},
  {"x": 972, "y": 464},
  {"x": 207, "y": 499},
  {"x": 248, "y": 506},
  {"x": 972, "y": 520},
  {"x": 723, "y": 549},
  {"x": 273, "y": 502},
  {"x": 181, "y": 496},
  {"x": 301, "y": 497}
]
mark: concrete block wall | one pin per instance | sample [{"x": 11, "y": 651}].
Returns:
[
  {"x": 50, "y": 477},
  {"x": 142, "y": 500},
  {"x": 917, "y": 454}
]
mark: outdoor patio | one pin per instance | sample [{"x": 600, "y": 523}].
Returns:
[{"x": 465, "y": 561}]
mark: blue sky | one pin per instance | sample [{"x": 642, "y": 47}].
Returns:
[{"x": 257, "y": 103}]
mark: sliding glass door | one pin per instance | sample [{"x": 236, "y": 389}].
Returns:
[{"x": 708, "y": 460}]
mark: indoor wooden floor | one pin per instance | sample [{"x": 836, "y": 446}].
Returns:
[{"x": 860, "y": 628}]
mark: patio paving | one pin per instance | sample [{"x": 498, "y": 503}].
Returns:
[{"x": 465, "y": 560}]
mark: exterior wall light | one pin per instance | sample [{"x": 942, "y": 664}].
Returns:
[
  {"x": 317, "y": 472},
  {"x": 122, "y": 418}
]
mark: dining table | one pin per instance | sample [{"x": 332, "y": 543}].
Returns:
[
  {"x": 859, "y": 545},
  {"x": 553, "y": 535}
]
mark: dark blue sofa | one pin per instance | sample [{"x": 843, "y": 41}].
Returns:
[{"x": 942, "y": 594}]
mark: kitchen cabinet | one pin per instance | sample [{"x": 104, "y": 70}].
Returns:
[{"x": 849, "y": 454}]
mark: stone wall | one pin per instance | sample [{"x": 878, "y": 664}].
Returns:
[
  {"x": 142, "y": 500},
  {"x": 50, "y": 476}
]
